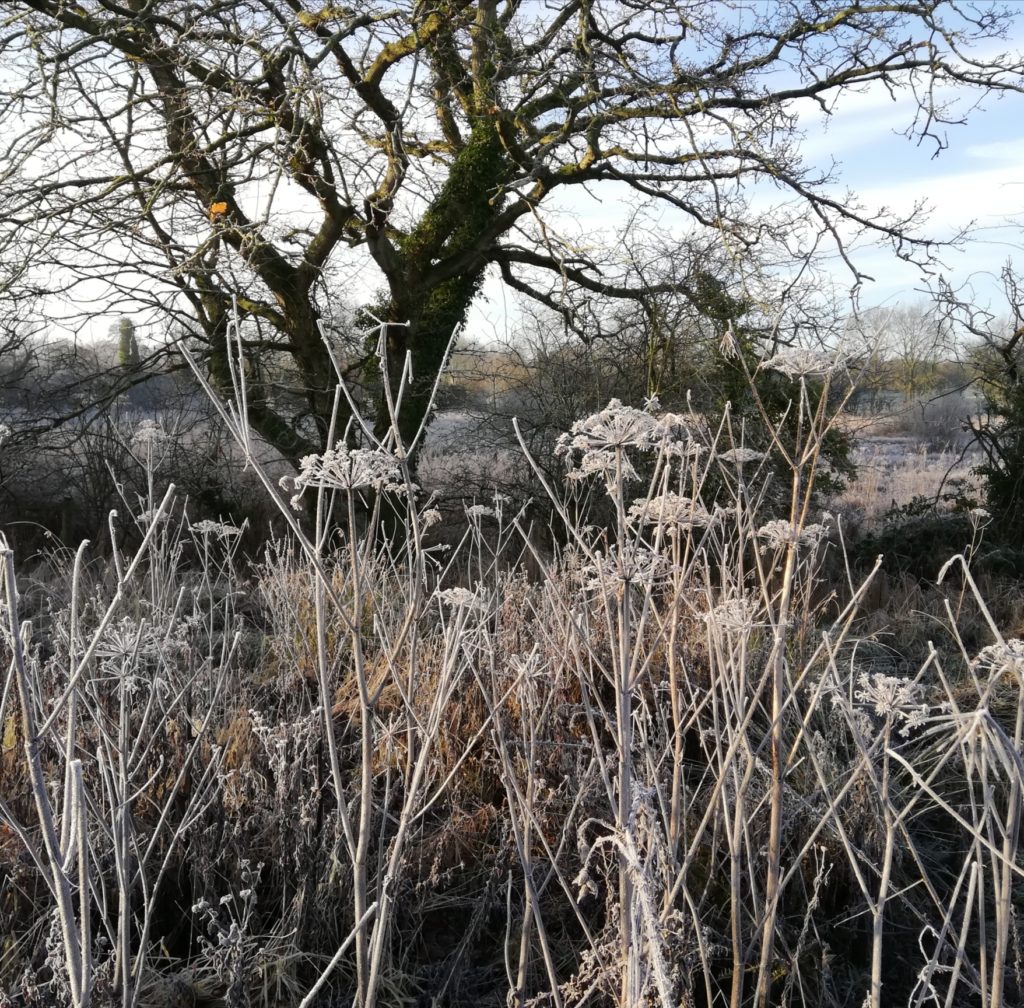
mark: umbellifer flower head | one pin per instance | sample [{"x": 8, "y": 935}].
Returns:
[
  {"x": 779, "y": 533},
  {"x": 641, "y": 568},
  {"x": 147, "y": 435},
  {"x": 213, "y": 528},
  {"x": 1003, "y": 659},
  {"x": 735, "y": 614},
  {"x": 460, "y": 598},
  {"x": 616, "y": 426},
  {"x": 741, "y": 455},
  {"x": 671, "y": 509},
  {"x": 894, "y": 699},
  {"x": 342, "y": 468},
  {"x": 797, "y": 363}
]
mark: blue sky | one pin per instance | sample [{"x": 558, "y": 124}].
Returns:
[
  {"x": 978, "y": 178},
  {"x": 976, "y": 181}
]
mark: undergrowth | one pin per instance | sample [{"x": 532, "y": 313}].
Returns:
[{"x": 376, "y": 771}]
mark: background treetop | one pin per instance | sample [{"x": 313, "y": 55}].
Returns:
[{"x": 262, "y": 158}]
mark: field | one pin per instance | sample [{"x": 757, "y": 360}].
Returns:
[{"x": 688, "y": 753}]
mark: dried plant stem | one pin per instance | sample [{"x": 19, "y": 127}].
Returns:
[{"x": 79, "y": 963}]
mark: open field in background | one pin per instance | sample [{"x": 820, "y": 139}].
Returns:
[
  {"x": 472, "y": 455},
  {"x": 893, "y": 470},
  {"x": 913, "y": 451}
]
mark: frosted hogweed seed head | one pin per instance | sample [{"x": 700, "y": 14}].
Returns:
[
  {"x": 341, "y": 468},
  {"x": 979, "y": 517},
  {"x": 671, "y": 424},
  {"x": 893, "y": 698},
  {"x": 604, "y": 463},
  {"x": 736, "y": 614},
  {"x": 151, "y": 515},
  {"x": 1002, "y": 659},
  {"x": 682, "y": 449},
  {"x": 616, "y": 426},
  {"x": 529, "y": 665},
  {"x": 639, "y": 567},
  {"x": 886, "y": 694},
  {"x": 430, "y": 517},
  {"x": 741, "y": 455},
  {"x": 728, "y": 346},
  {"x": 460, "y": 598},
  {"x": 796, "y": 363},
  {"x": 148, "y": 434},
  {"x": 671, "y": 509},
  {"x": 780, "y": 533},
  {"x": 212, "y": 528},
  {"x": 127, "y": 639},
  {"x": 477, "y": 511}
]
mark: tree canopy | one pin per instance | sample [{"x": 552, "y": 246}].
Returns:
[{"x": 306, "y": 170}]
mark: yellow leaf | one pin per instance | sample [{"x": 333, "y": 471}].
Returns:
[{"x": 10, "y": 734}]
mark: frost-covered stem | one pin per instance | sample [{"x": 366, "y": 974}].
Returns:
[
  {"x": 1011, "y": 839},
  {"x": 72, "y": 726},
  {"x": 736, "y": 879},
  {"x": 77, "y": 957},
  {"x": 878, "y": 906},
  {"x": 324, "y": 687},
  {"x": 779, "y": 683},
  {"x": 123, "y": 577},
  {"x": 366, "y": 745},
  {"x": 526, "y": 832},
  {"x": 357, "y": 928},
  {"x": 524, "y": 842},
  {"x": 675, "y": 822},
  {"x": 630, "y": 993},
  {"x": 81, "y": 833},
  {"x": 1002, "y": 877}
]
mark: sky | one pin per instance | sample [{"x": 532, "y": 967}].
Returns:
[{"x": 975, "y": 183}]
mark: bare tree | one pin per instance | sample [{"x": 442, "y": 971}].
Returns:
[
  {"x": 253, "y": 158},
  {"x": 912, "y": 346},
  {"x": 997, "y": 356}
]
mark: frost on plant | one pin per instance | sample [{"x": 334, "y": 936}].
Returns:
[
  {"x": 741, "y": 455},
  {"x": 638, "y": 567},
  {"x": 614, "y": 427},
  {"x": 148, "y": 435},
  {"x": 796, "y": 363},
  {"x": 596, "y": 445},
  {"x": 611, "y": 467},
  {"x": 779, "y": 534},
  {"x": 341, "y": 468},
  {"x": 736, "y": 614},
  {"x": 127, "y": 640},
  {"x": 1006, "y": 658},
  {"x": 151, "y": 515},
  {"x": 682, "y": 448},
  {"x": 893, "y": 698},
  {"x": 460, "y": 598},
  {"x": 672, "y": 510},
  {"x": 217, "y": 530},
  {"x": 678, "y": 430}
]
